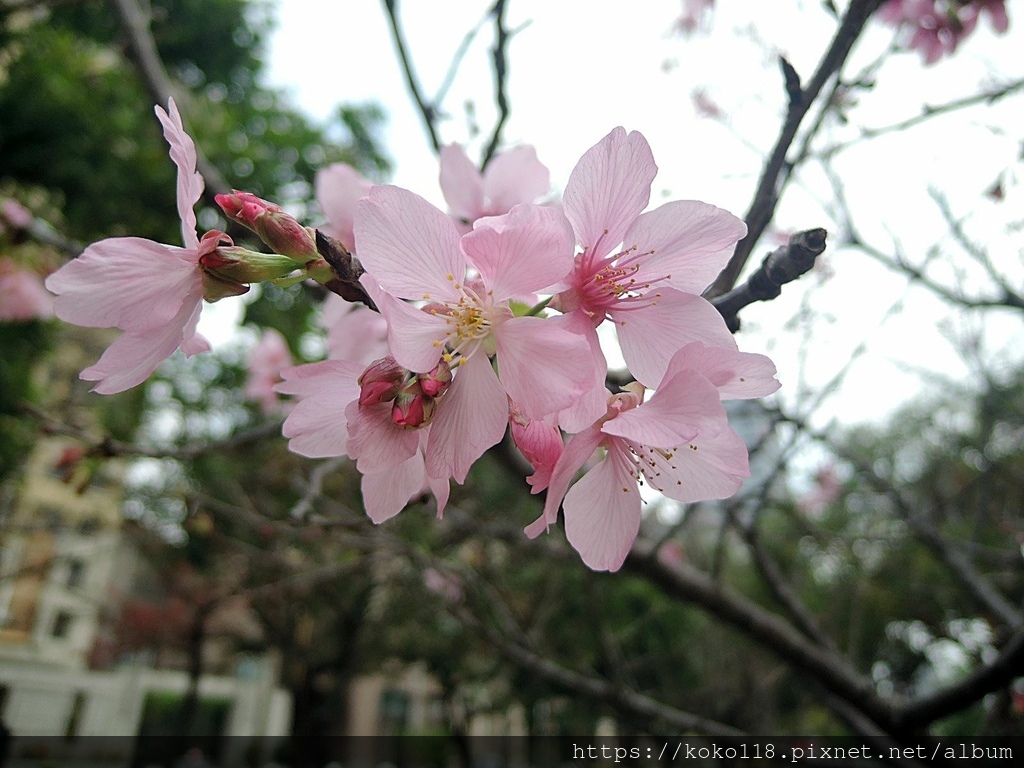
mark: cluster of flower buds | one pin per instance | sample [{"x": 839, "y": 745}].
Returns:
[{"x": 414, "y": 395}]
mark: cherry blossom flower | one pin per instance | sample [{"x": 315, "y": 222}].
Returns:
[
  {"x": 22, "y": 295},
  {"x": 512, "y": 177},
  {"x": 678, "y": 442},
  {"x": 151, "y": 291},
  {"x": 642, "y": 271},
  {"x": 328, "y": 420},
  {"x": 539, "y": 442},
  {"x": 413, "y": 251},
  {"x": 265, "y": 362}
]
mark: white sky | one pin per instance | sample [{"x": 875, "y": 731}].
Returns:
[{"x": 579, "y": 68}]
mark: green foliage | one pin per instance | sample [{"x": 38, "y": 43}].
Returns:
[{"x": 21, "y": 345}]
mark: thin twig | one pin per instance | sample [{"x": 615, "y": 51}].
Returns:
[
  {"x": 776, "y": 170},
  {"x": 427, "y": 110},
  {"x": 135, "y": 24},
  {"x": 498, "y": 57}
]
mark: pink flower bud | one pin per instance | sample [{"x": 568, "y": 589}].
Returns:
[
  {"x": 381, "y": 381},
  {"x": 436, "y": 382},
  {"x": 275, "y": 227},
  {"x": 412, "y": 408}
]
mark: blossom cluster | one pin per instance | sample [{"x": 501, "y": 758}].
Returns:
[
  {"x": 487, "y": 324},
  {"x": 935, "y": 28}
]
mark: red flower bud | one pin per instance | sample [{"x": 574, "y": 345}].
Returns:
[
  {"x": 381, "y": 381},
  {"x": 436, "y": 382},
  {"x": 412, "y": 408}
]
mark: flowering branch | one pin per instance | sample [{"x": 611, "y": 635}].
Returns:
[{"x": 777, "y": 171}]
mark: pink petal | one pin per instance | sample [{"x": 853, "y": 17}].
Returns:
[
  {"x": 515, "y": 176},
  {"x": 470, "y": 419},
  {"x": 651, "y": 336},
  {"x": 529, "y": 248},
  {"x": 575, "y": 454},
  {"x": 541, "y": 445},
  {"x": 191, "y": 342},
  {"x": 542, "y": 366},
  {"x": 125, "y": 282},
  {"x": 608, "y": 189},
  {"x": 317, "y": 426},
  {"x": 416, "y": 338},
  {"x": 409, "y": 246},
  {"x": 375, "y": 441},
  {"x": 673, "y": 415},
  {"x": 709, "y": 466},
  {"x": 387, "y": 493},
  {"x": 133, "y": 356},
  {"x": 190, "y": 183},
  {"x": 692, "y": 242},
  {"x": 338, "y": 188},
  {"x": 592, "y": 404},
  {"x": 738, "y": 375},
  {"x": 602, "y": 513},
  {"x": 461, "y": 184},
  {"x": 440, "y": 487}
]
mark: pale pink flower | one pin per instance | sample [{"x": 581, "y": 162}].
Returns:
[
  {"x": 678, "y": 442},
  {"x": 338, "y": 188},
  {"x": 354, "y": 331},
  {"x": 413, "y": 251},
  {"x": 22, "y": 295},
  {"x": 512, "y": 177},
  {"x": 152, "y": 292},
  {"x": 264, "y": 363},
  {"x": 693, "y": 15},
  {"x": 642, "y": 271},
  {"x": 327, "y": 420}
]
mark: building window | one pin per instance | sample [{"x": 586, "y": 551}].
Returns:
[
  {"x": 61, "y": 625},
  {"x": 393, "y": 712}
]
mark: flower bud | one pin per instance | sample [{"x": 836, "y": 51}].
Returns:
[
  {"x": 381, "y": 381},
  {"x": 275, "y": 227},
  {"x": 240, "y": 265},
  {"x": 412, "y": 408},
  {"x": 436, "y": 382}
]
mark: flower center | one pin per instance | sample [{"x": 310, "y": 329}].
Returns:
[
  {"x": 611, "y": 283},
  {"x": 468, "y": 321}
]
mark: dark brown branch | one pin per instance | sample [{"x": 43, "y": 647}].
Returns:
[
  {"x": 427, "y": 110},
  {"x": 142, "y": 46},
  {"x": 107, "y": 447},
  {"x": 501, "y": 38},
  {"x": 776, "y": 171},
  {"x": 1007, "y": 665},
  {"x": 783, "y": 265},
  {"x": 768, "y": 630}
]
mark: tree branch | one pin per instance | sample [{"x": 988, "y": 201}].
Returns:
[
  {"x": 427, "y": 110},
  {"x": 501, "y": 38},
  {"x": 783, "y": 265},
  {"x": 135, "y": 24},
  {"x": 776, "y": 170}
]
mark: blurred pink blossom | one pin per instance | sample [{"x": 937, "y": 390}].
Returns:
[
  {"x": 338, "y": 188},
  {"x": 22, "y": 295},
  {"x": 512, "y": 177},
  {"x": 265, "y": 362}
]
